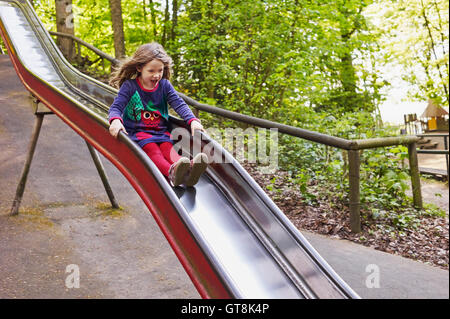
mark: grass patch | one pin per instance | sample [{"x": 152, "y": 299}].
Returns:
[
  {"x": 34, "y": 217},
  {"x": 104, "y": 209}
]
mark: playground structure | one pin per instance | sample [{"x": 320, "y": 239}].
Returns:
[
  {"x": 432, "y": 129},
  {"x": 435, "y": 118}
]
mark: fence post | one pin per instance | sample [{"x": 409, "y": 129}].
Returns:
[
  {"x": 353, "y": 177},
  {"x": 415, "y": 177},
  {"x": 446, "y": 156}
]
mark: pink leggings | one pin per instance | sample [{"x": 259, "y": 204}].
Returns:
[{"x": 162, "y": 154}]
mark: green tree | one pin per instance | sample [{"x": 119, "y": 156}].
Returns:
[
  {"x": 345, "y": 43},
  {"x": 264, "y": 57},
  {"x": 415, "y": 36},
  {"x": 275, "y": 59}
]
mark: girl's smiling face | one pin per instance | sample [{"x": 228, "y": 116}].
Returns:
[{"x": 151, "y": 73}]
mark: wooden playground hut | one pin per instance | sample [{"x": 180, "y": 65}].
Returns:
[{"x": 435, "y": 118}]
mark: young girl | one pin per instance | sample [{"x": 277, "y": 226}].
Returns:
[{"x": 140, "y": 110}]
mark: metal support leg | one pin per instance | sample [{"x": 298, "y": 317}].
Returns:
[
  {"x": 23, "y": 180},
  {"x": 101, "y": 171},
  {"x": 353, "y": 176},
  {"x": 40, "y": 111}
]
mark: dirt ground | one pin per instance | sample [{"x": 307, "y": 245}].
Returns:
[{"x": 435, "y": 192}]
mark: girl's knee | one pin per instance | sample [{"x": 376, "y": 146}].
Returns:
[
  {"x": 169, "y": 152},
  {"x": 151, "y": 149}
]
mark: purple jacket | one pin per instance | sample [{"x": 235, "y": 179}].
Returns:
[{"x": 145, "y": 114}]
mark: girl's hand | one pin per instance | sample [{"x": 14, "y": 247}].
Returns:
[
  {"x": 196, "y": 125},
  {"x": 115, "y": 127}
]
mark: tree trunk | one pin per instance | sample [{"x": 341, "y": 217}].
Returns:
[
  {"x": 432, "y": 48},
  {"x": 117, "y": 24},
  {"x": 174, "y": 19},
  {"x": 153, "y": 16},
  {"x": 65, "y": 24},
  {"x": 348, "y": 76},
  {"x": 441, "y": 32},
  {"x": 173, "y": 35},
  {"x": 144, "y": 12},
  {"x": 166, "y": 23}
]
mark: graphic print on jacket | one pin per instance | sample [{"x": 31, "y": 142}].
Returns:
[
  {"x": 151, "y": 119},
  {"x": 135, "y": 110}
]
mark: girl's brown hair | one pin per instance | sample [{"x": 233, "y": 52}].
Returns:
[{"x": 144, "y": 54}]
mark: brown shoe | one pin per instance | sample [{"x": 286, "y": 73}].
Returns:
[
  {"x": 178, "y": 171},
  {"x": 198, "y": 166}
]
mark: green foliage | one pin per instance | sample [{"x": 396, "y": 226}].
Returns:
[
  {"x": 307, "y": 63},
  {"x": 45, "y": 9},
  {"x": 264, "y": 58},
  {"x": 267, "y": 58},
  {"x": 407, "y": 218},
  {"x": 384, "y": 182},
  {"x": 414, "y": 34}
]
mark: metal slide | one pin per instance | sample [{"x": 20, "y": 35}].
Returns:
[{"x": 231, "y": 239}]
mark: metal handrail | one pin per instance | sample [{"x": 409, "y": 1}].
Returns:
[
  {"x": 100, "y": 53},
  {"x": 286, "y": 129},
  {"x": 353, "y": 147},
  {"x": 433, "y": 135},
  {"x": 321, "y": 138},
  {"x": 439, "y": 152}
]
